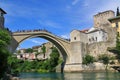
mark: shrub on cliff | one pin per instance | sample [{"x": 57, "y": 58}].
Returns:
[
  {"x": 105, "y": 58},
  {"x": 88, "y": 59}
]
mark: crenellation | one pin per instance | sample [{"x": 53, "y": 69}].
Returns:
[{"x": 102, "y": 18}]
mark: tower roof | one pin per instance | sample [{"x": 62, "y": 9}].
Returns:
[{"x": 3, "y": 11}]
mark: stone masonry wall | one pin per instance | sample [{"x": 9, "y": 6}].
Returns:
[
  {"x": 96, "y": 49},
  {"x": 102, "y": 18}
]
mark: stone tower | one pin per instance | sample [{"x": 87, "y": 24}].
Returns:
[
  {"x": 101, "y": 18},
  {"x": 2, "y": 12}
]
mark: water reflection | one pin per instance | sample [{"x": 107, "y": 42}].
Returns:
[{"x": 70, "y": 76}]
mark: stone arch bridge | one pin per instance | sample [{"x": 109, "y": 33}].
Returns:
[{"x": 63, "y": 45}]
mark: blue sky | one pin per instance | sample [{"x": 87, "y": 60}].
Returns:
[{"x": 57, "y": 16}]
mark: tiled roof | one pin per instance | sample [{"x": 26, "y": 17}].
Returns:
[{"x": 84, "y": 31}]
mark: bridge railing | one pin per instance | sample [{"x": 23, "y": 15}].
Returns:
[
  {"x": 39, "y": 30},
  {"x": 36, "y": 30}
]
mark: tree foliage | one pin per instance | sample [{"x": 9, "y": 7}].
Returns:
[
  {"x": 43, "y": 50},
  {"x": 4, "y": 53},
  {"x": 47, "y": 65},
  {"x": 4, "y": 38},
  {"x": 88, "y": 59},
  {"x": 29, "y": 50},
  {"x": 117, "y": 48},
  {"x": 105, "y": 58}
]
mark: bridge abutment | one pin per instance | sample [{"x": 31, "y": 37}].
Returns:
[
  {"x": 77, "y": 51},
  {"x": 73, "y": 67}
]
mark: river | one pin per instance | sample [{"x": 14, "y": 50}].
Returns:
[{"x": 71, "y": 76}]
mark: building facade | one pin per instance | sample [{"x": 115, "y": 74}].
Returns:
[
  {"x": 96, "y": 40},
  {"x": 36, "y": 50}
]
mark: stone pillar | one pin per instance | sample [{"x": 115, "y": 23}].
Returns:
[{"x": 75, "y": 58}]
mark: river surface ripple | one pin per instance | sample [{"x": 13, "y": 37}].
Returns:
[{"x": 71, "y": 76}]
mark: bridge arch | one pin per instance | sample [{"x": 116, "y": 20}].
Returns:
[
  {"x": 60, "y": 43},
  {"x": 72, "y": 58}
]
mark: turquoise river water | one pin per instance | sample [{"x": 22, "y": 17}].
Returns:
[{"x": 71, "y": 76}]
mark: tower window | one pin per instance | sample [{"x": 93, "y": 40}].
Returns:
[
  {"x": 96, "y": 38},
  {"x": 117, "y": 25},
  {"x": 74, "y": 38},
  {"x": 1, "y": 14},
  {"x": 92, "y": 39},
  {"x": 89, "y": 40}
]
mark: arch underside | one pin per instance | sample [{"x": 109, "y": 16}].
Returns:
[{"x": 50, "y": 38}]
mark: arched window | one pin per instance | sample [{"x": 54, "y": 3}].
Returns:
[
  {"x": 89, "y": 40},
  {"x": 96, "y": 38},
  {"x": 116, "y": 24},
  {"x": 92, "y": 39},
  {"x": 74, "y": 38}
]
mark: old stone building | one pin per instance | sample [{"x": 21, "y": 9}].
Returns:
[
  {"x": 101, "y": 19},
  {"x": 97, "y": 39},
  {"x": 48, "y": 46},
  {"x": 2, "y": 12},
  {"x": 36, "y": 50},
  {"x": 96, "y": 35}
]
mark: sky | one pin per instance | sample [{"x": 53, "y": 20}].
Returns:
[{"x": 57, "y": 16}]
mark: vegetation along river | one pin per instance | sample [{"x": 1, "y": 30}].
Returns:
[{"x": 71, "y": 76}]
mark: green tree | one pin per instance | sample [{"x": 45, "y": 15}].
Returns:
[
  {"x": 117, "y": 48},
  {"x": 105, "y": 58},
  {"x": 51, "y": 63},
  {"x": 43, "y": 50},
  {"x": 18, "y": 51},
  {"x": 54, "y": 59},
  {"x": 14, "y": 63},
  {"x": 4, "y": 53},
  {"x": 88, "y": 59},
  {"x": 47, "y": 65},
  {"x": 29, "y": 50},
  {"x": 117, "y": 13}
]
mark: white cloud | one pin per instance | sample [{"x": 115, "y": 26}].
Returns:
[
  {"x": 111, "y": 5},
  {"x": 19, "y": 11},
  {"x": 85, "y": 4},
  {"x": 68, "y": 7},
  {"x": 49, "y": 23},
  {"x": 103, "y": 5},
  {"x": 66, "y": 36},
  {"x": 35, "y": 41},
  {"x": 75, "y": 2},
  {"x": 96, "y": 6}
]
